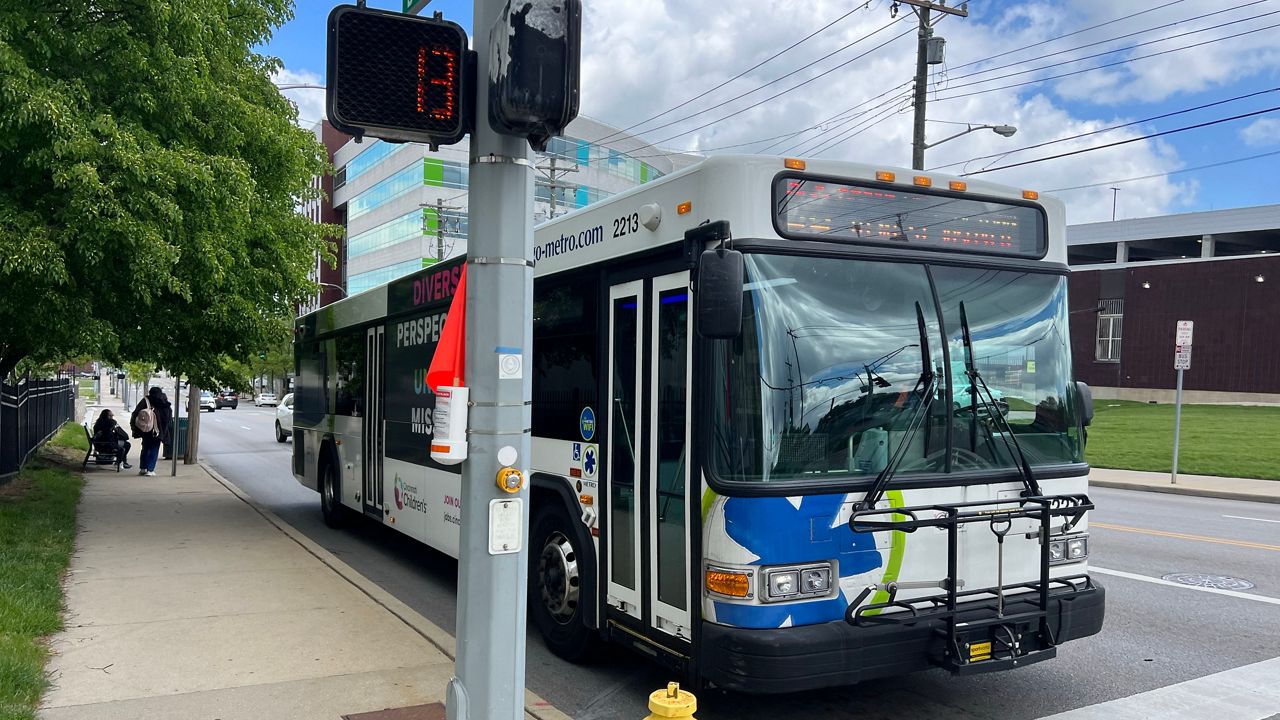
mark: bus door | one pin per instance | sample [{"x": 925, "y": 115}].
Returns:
[
  {"x": 372, "y": 426},
  {"x": 647, "y": 452}
]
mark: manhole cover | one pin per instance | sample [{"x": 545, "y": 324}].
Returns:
[{"x": 1220, "y": 582}]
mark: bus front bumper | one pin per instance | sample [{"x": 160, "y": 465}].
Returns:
[{"x": 807, "y": 657}]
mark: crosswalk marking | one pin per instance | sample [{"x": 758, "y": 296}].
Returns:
[{"x": 1249, "y": 692}]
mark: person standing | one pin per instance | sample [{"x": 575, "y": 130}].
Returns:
[{"x": 151, "y": 421}]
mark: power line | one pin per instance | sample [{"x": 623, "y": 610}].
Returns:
[
  {"x": 1113, "y": 39},
  {"x": 735, "y": 77},
  {"x": 1166, "y": 174},
  {"x": 1107, "y": 52},
  {"x": 1125, "y": 142},
  {"x": 779, "y": 79},
  {"x": 874, "y": 116},
  {"x": 1109, "y": 129},
  {"x": 1067, "y": 35},
  {"x": 784, "y": 92},
  {"x": 1104, "y": 66}
]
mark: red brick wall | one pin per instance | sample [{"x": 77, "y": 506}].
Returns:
[{"x": 1237, "y": 324}]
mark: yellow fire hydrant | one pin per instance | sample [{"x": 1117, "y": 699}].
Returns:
[{"x": 671, "y": 703}]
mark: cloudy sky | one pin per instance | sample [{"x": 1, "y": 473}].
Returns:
[{"x": 1055, "y": 70}]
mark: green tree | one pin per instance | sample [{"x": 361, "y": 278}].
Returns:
[{"x": 152, "y": 177}]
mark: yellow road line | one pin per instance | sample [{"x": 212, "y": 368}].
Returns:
[{"x": 1185, "y": 536}]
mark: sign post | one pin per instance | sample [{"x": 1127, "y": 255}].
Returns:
[{"x": 1181, "y": 361}]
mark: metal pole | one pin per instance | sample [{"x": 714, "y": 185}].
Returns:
[
  {"x": 922, "y": 83},
  {"x": 490, "y": 667},
  {"x": 1177, "y": 428},
  {"x": 439, "y": 229},
  {"x": 177, "y": 413},
  {"x": 1115, "y": 192}
]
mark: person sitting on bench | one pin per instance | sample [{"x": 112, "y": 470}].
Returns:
[{"x": 106, "y": 430}]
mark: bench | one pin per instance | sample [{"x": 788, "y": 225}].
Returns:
[{"x": 101, "y": 452}]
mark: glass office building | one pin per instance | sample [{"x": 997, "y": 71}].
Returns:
[{"x": 406, "y": 206}]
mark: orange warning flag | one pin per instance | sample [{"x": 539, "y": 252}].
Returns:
[{"x": 447, "y": 365}]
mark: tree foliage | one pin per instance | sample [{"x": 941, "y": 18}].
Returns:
[{"x": 151, "y": 185}]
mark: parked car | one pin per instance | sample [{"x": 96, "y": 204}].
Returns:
[
  {"x": 284, "y": 418},
  {"x": 227, "y": 398},
  {"x": 207, "y": 402},
  {"x": 266, "y": 399}
]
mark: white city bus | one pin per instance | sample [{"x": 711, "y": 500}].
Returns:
[{"x": 843, "y": 444}]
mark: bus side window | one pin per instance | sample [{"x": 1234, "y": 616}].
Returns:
[{"x": 566, "y": 369}]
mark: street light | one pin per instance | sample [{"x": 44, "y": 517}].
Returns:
[
  {"x": 339, "y": 288},
  {"x": 1001, "y": 130}
]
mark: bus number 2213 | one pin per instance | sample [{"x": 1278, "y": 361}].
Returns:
[{"x": 626, "y": 224}]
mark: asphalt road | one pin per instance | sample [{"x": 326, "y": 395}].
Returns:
[{"x": 1155, "y": 635}]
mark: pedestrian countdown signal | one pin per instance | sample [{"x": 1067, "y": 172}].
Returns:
[{"x": 398, "y": 77}]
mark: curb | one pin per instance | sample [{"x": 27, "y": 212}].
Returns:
[
  {"x": 443, "y": 641},
  {"x": 1183, "y": 490}
]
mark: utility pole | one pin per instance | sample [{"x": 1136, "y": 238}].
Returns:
[
  {"x": 925, "y": 58},
  {"x": 552, "y": 184},
  {"x": 1115, "y": 192},
  {"x": 440, "y": 208},
  {"x": 492, "y": 576}
]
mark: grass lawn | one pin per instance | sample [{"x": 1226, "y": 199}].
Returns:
[
  {"x": 86, "y": 390},
  {"x": 37, "y": 533},
  {"x": 72, "y": 436},
  {"x": 1225, "y": 440}
]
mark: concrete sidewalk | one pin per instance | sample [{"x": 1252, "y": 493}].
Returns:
[
  {"x": 186, "y": 600},
  {"x": 1203, "y": 485}
]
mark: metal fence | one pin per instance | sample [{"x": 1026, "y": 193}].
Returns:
[{"x": 30, "y": 413}]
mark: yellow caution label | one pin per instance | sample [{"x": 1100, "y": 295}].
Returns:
[{"x": 979, "y": 651}]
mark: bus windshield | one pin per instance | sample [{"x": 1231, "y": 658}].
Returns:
[{"x": 830, "y": 371}]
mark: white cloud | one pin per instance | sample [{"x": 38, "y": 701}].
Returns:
[
  {"x": 1261, "y": 133},
  {"x": 643, "y": 56},
  {"x": 309, "y": 101}
]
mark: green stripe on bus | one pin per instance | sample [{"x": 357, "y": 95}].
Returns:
[
  {"x": 708, "y": 498},
  {"x": 897, "y": 547}
]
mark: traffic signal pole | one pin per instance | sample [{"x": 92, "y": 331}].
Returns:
[{"x": 492, "y": 580}]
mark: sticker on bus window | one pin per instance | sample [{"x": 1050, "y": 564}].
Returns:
[{"x": 587, "y": 423}]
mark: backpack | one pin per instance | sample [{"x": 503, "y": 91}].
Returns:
[{"x": 146, "y": 419}]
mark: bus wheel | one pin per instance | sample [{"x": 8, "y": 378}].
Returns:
[
  {"x": 330, "y": 493},
  {"x": 555, "y": 584}
]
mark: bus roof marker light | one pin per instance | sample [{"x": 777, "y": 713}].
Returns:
[
  {"x": 922, "y": 181},
  {"x": 885, "y": 176},
  {"x": 793, "y": 163},
  {"x": 1030, "y": 195},
  {"x": 958, "y": 185}
]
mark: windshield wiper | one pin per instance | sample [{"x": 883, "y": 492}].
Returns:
[
  {"x": 977, "y": 386},
  {"x": 929, "y": 381}
]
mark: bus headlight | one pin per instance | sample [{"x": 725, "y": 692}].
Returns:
[
  {"x": 1078, "y": 548},
  {"x": 1057, "y": 550},
  {"x": 1068, "y": 549},
  {"x": 783, "y": 584},
  {"x": 796, "y": 582}
]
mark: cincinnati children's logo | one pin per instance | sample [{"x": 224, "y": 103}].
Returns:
[{"x": 407, "y": 495}]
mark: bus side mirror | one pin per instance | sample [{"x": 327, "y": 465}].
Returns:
[
  {"x": 718, "y": 296},
  {"x": 1086, "y": 403}
]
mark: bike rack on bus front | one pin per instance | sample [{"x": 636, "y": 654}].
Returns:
[{"x": 946, "y": 607}]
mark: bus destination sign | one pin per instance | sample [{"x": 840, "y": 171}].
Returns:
[{"x": 807, "y": 209}]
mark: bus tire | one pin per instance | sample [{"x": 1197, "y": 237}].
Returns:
[
  {"x": 331, "y": 492},
  {"x": 555, "y": 584}
]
